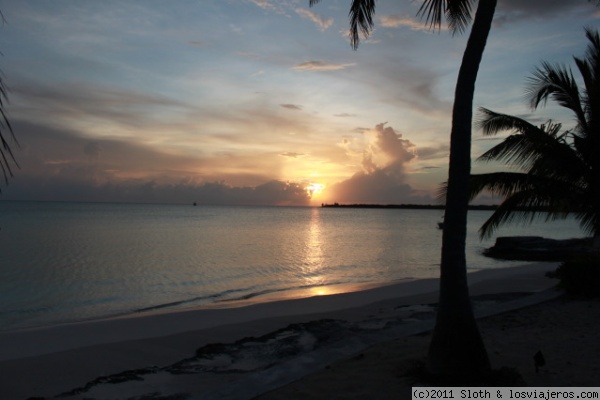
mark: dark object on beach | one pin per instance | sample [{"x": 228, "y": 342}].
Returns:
[
  {"x": 194, "y": 204},
  {"x": 539, "y": 361},
  {"x": 580, "y": 277},
  {"x": 536, "y": 248}
]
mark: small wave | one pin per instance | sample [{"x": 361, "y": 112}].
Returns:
[
  {"x": 178, "y": 303},
  {"x": 25, "y": 311},
  {"x": 251, "y": 295}
]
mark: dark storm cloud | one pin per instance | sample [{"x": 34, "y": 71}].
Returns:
[
  {"x": 517, "y": 10},
  {"x": 140, "y": 191},
  {"x": 540, "y": 7},
  {"x": 60, "y": 165}
]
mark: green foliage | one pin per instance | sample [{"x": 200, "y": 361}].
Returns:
[{"x": 580, "y": 277}]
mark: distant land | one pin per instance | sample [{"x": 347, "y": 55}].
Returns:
[{"x": 407, "y": 206}]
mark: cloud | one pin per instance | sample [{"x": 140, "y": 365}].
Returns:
[
  {"x": 387, "y": 152},
  {"x": 139, "y": 191},
  {"x": 383, "y": 179},
  {"x": 264, "y": 4},
  {"x": 405, "y": 86},
  {"x": 344, "y": 115},
  {"x": 376, "y": 187},
  {"x": 537, "y": 7},
  {"x": 79, "y": 101},
  {"x": 322, "y": 23},
  {"x": 510, "y": 11},
  {"x": 292, "y": 154},
  {"x": 291, "y": 106},
  {"x": 433, "y": 152},
  {"x": 198, "y": 44},
  {"x": 320, "y": 66},
  {"x": 92, "y": 149},
  {"x": 398, "y": 21},
  {"x": 60, "y": 165},
  {"x": 276, "y": 6}
]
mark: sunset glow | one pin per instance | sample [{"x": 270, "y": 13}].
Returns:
[{"x": 254, "y": 102}]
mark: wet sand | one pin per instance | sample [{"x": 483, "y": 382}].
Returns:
[{"x": 303, "y": 347}]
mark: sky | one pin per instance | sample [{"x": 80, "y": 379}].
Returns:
[{"x": 256, "y": 102}]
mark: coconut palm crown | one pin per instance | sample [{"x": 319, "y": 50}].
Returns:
[{"x": 561, "y": 168}]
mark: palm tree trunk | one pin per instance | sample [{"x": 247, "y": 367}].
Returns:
[{"x": 456, "y": 345}]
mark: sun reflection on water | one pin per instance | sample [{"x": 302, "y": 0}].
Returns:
[{"x": 312, "y": 264}]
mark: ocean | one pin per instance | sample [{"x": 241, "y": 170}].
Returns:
[{"x": 69, "y": 262}]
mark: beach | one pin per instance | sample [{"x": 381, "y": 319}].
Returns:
[{"x": 347, "y": 344}]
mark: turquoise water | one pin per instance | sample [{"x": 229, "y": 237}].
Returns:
[{"x": 65, "y": 262}]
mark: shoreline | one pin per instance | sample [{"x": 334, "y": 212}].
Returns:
[
  {"x": 255, "y": 299},
  {"x": 49, "y": 361},
  {"x": 162, "y": 322}
]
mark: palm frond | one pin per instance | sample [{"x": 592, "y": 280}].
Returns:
[
  {"x": 589, "y": 99},
  {"x": 555, "y": 82},
  {"x": 441, "y": 192},
  {"x": 528, "y": 147},
  {"x": 549, "y": 200},
  {"x": 361, "y": 19},
  {"x": 593, "y": 49},
  {"x": 502, "y": 184},
  {"x": 539, "y": 150},
  {"x": 589, "y": 220},
  {"x": 559, "y": 168},
  {"x": 458, "y": 14},
  {"x": 491, "y": 122},
  {"x": 510, "y": 210},
  {"x": 589, "y": 68}
]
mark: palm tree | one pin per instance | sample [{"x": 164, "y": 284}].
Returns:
[
  {"x": 456, "y": 346},
  {"x": 561, "y": 169},
  {"x": 6, "y": 155}
]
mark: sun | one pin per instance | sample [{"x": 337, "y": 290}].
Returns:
[{"x": 315, "y": 189}]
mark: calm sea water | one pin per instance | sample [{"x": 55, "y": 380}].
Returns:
[{"x": 65, "y": 262}]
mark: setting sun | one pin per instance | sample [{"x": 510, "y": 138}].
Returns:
[{"x": 315, "y": 189}]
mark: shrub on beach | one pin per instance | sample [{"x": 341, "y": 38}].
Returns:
[{"x": 580, "y": 277}]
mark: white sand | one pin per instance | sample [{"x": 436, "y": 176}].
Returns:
[{"x": 47, "y": 362}]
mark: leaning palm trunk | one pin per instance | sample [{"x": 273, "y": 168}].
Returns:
[{"x": 456, "y": 346}]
